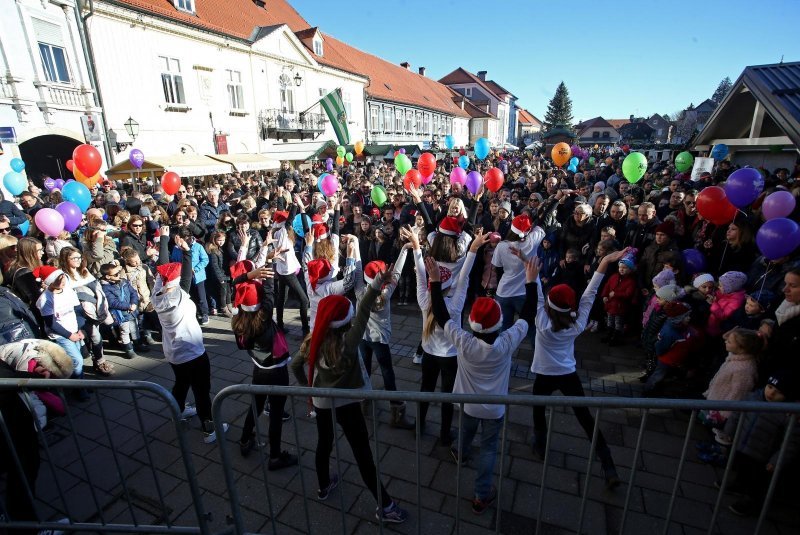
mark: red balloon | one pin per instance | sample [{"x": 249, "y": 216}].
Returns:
[
  {"x": 426, "y": 164},
  {"x": 412, "y": 177},
  {"x": 494, "y": 179},
  {"x": 626, "y": 149},
  {"x": 462, "y": 152},
  {"x": 455, "y": 160},
  {"x": 70, "y": 164},
  {"x": 713, "y": 205},
  {"x": 171, "y": 182},
  {"x": 87, "y": 159}
]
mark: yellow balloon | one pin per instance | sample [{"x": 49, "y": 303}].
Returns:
[
  {"x": 359, "y": 147},
  {"x": 561, "y": 153},
  {"x": 339, "y": 161}
]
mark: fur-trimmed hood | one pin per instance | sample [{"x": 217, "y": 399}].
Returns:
[{"x": 48, "y": 354}]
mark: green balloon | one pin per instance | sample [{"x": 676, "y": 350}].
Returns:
[
  {"x": 340, "y": 151},
  {"x": 591, "y": 160},
  {"x": 349, "y": 156},
  {"x": 402, "y": 163},
  {"x": 634, "y": 166},
  {"x": 684, "y": 161},
  {"x": 378, "y": 195}
]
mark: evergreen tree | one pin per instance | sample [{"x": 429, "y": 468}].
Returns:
[
  {"x": 559, "y": 110},
  {"x": 722, "y": 90}
]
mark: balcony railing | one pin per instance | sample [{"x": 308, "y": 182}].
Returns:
[
  {"x": 280, "y": 124},
  {"x": 62, "y": 95},
  {"x": 5, "y": 89}
]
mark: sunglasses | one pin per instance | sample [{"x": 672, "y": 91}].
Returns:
[
  {"x": 5, "y": 229},
  {"x": 136, "y": 225}
]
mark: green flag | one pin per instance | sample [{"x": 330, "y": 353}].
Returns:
[{"x": 334, "y": 107}]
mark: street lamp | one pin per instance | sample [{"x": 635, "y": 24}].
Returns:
[
  {"x": 298, "y": 80},
  {"x": 132, "y": 128}
]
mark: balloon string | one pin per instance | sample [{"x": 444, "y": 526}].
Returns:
[
  {"x": 764, "y": 278},
  {"x": 722, "y": 260}
]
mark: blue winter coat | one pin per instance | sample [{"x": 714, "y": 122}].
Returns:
[
  {"x": 199, "y": 261},
  {"x": 121, "y": 295}
]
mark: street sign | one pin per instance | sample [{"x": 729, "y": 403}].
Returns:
[{"x": 8, "y": 134}]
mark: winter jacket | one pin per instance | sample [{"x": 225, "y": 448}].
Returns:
[
  {"x": 199, "y": 261},
  {"x": 640, "y": 236},
  {"x": 576, "y": 237},
  {"x": 723, "y": 308},
  {"x": 99, "y": 252},
  {"x": 121, "y": 295},
  {"x": 234, "y": 243},
  {"x": 675, "y": 343},
  {"x": 734, "y": 380},
  {"x": 216, "y": 268},
  {"x": 652, "y": 260},
  {"x": 624, "y": 289},
  {"x": 141, "y": 278},
  {"x": 209, "y": 215},
  {"x": 15, "y": 216},
  {"x": 137, "y": 243}
]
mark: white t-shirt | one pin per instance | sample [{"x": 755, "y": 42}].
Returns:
[
  {"x": 512, "y": 283},
  {"x": 61, "y": 306}
]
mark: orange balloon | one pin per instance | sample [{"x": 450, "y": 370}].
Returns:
[
  {"x": 609, "y": 161},
  {"x": 561, "y": 154},
  {"x": 80, "y": 177},
  {"x": 359, "y": 147},
  {"x": 339, "y": 161}
]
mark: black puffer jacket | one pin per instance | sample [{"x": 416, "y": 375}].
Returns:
[
  {"x": 137, "y": 243},
  {"x": 762, "y": 433},
  {"x": 233, "y": 244}
]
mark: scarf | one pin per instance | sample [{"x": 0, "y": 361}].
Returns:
[{"x": 786, "y": 311}]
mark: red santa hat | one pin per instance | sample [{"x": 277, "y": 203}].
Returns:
[
  {"x": 247, "y": 296},
  {"x": 561, "y": 298},
  {"x": 521, "y": 225},
  {"x": 47, "y": 274},
  {"x": 333, "y": 311},
  {"x": 450, "y": 226},
  {"x": 170, "y": 274},
  {"x": 319, "y": 270},
  {"x": 316, "y": 219},
  {"x": 280, "y": 216},
  {"x": 320, "y": 232},
  {"x": 372, "y": 269},
  {"x": 485, "y": 316},
  {"x": 242, "y": 267}
]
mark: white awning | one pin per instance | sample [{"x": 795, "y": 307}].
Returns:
[
  {"x": 294, "y": 152},
  {"x": 186, "y": 165},
  {"x": 248, "y": 162}
]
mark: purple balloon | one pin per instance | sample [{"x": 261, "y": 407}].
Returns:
[
  {"x": 402, "y": 151},
  {"x": 778, "y": 238},
  {"x": 137, "y": 158},
  {"x": 778, "y": 204},
  {"x": 49, "y": 183},
  {"x": 744, "y": 186},
  {"x": 474, "y": 182},
  {"x": 694, "y": 260},
  {"x": 72, "y": 215},
  {"x": 458, "y": 176},
  {"x": 58, "y": 183}
]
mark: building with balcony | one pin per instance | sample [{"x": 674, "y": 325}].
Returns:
[
  {"x": 597, "y": 131},
  {"x": 47, "y": 103}
]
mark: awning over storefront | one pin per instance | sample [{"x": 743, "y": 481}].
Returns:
[
  {"x": 296, "y": 152},
  {"x": 248, "y": 162},
  {"x": 186, "y": 165}
]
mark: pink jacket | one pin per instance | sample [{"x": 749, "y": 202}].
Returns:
[
  {"x": 723, "y": 308},
  {"x": 734, "y": 380}
]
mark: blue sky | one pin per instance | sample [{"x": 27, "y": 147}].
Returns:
[{"x": 617, "y": 58}]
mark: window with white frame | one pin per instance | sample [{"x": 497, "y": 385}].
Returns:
[
  {"x": 426, "y": 124},
  {"x": 318, "y": 49},
  {"x": 409, "y": 122},
  {"x": 374, "y": 118},
  {"x": 54, "y": 63},
  {"x": 388, "y": 119},
  {"x": 235, "y": 89},
  {"x": 172, "y": 80},
  {"x": 477, "y": 128},
  {"x": 348, "y": 107},
  {"x": 468, "y": 92},
  {"x": 398, "y": 120},
  {"x": 185, "y": 5},
  {"x": 436, "y": 123}
]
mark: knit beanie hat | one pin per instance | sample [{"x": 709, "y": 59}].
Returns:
[
  {"x": 764, "y": 298},
  {"x": 785, "y": 381},
  {"x": 485, "y": 316},
  {"x": 170, "y": 274},
  {"x": 333, "y": 311},
  {"x": 629, "y": 260},
  {"x": 450, "y": 226},
  {"x": 319, "y": 270},
  {"x": 521, "y": 225},
  {"x": 247, "y": 296},
  {"x": 505, "y": 205},
  {"x": 666, "y": 228},
  {"x": 47, "y": 274},
  {"x": 372, "y": 269},
  {"x": 670, "y": 292},
  {"x": 732, "y": 281},
  {"x": 663, "y": 278},
  {"x": 701, "y": 279},
  {"x": 561, "y": 298}
]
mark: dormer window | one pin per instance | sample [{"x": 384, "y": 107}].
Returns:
[
  {"x": 318, "y": 49},
  {"x": 185, "y": 5}
]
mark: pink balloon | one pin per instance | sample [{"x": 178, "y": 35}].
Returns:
[
  {"x": 428, "y": 178},
  {"x": 778, "y": 204},
  {"x": 50, "y": 222},
  {"x": 458, "y": 176},
  {"x": 329, "y": 185}
]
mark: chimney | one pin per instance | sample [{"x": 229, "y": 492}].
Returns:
[
  {"x": 406, "y": 65},
  {"x": 422, "y": 71},
  {"x": 631, "y": 117},
  {"x": 482, "y": 75}
]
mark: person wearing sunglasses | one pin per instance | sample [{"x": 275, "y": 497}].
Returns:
[{"x": 135, "y": 237}]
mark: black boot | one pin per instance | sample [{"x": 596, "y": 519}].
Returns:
[
  {"x": 609, "y": 470},
  {"x": 615, "y": 338},
  {"x": 82, "y": 394},
  {"x": 147, "y": 338},
  {"x": 539, "y": 444},
  {"x": 141, "y": 346}
]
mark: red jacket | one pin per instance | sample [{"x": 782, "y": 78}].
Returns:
[{"x": 624, "y": 289}]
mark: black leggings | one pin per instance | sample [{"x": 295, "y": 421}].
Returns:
[
  {"x": 277, "y": 377},
  {"x": 568, "y": 385},
  {"x": 351, "y": 420},
  {"x": 432, "y": 366},
  {"x": 285, "y": 282},
  {"x": 197, "y": 375}
]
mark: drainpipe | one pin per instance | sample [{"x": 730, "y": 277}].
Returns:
[{"x": 88, "y": 56}]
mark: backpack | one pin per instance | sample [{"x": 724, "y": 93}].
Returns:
[
  {"x": 94, "y": 303},
  {"x": 17, "y": 322}
]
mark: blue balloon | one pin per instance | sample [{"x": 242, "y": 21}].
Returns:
[
  {"x": 719, "y": 151},
  {"x": 694, "y": 261},
  {"x": 17, "y": 165},
  {"x": 572, "y": 169},
  {"x": 482, "y": 148},
  {"x": 319, "y": 182},
  {"x": 15, "y": 183},
  {"x": 573, "y": 162},
  {"x": 24, "y": 227},
  {"x": 463, "y": 162},
  {"x": 297, "y": 224},
  {"x": 77, "y": 193},
  {"x": 449, "y": 142}
]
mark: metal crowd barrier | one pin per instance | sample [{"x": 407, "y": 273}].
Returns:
[
  {"x": 103, "y": 464},
  {"x": 597, "y": 405}
]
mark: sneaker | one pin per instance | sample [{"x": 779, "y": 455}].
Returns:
[
  {"x": 454, "y": 455},
  {"x": 417, "y": 359},
  {"x": 592, "y": 326},
  {"x": 285, "y": 460},
  {"x": 479, "y": 506},
  {"x": 188, "y": 412},
  {"x": 204, "y": 320},
  {"x": 209, "y": 434},
  {"x": 395, "y": 515},
  {"x": 286, "y": 415},
  {"x": 745, "y": 507},
  {"x": 246, "y": 446},
  {"x": 322, "y": 494}
]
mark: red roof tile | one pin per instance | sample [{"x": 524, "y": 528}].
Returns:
[
  {"x": 617, "y": 123},
  {"x": 526, "y": 117},
  {"x": 597, "y": 122},
  {"x": 497, "y": 88},
  {"x": 463, "y": 76}
]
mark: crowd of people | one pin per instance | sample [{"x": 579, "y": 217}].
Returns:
[{"x": 550, "y": 255}]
